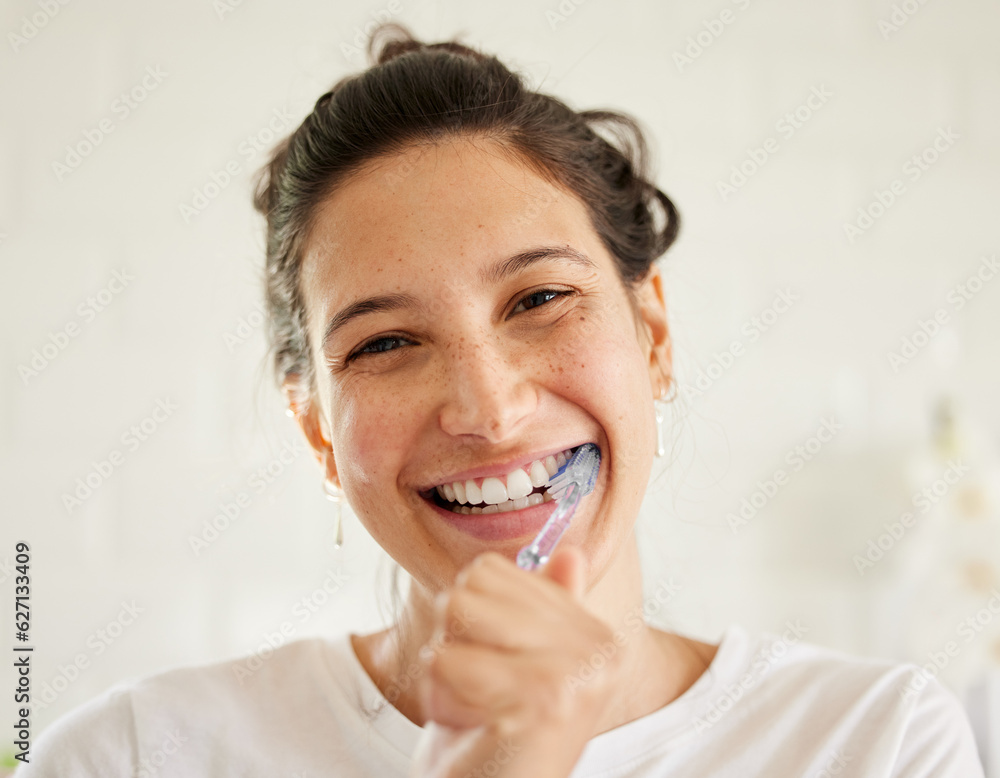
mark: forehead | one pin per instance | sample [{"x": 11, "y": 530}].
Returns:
[{"x": 445, "y": 206}]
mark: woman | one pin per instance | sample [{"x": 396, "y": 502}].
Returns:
[{"x": 462, "y": 290}]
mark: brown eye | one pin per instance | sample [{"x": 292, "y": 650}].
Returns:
[{"x": 537, "y": 297}]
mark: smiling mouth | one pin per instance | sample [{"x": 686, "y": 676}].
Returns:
[
  {"x": 537, "y": 496},
  {"x": 491, "y": 495}
]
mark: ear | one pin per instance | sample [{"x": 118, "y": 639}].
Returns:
[
  {"x": 653, "y": 325},
  {"x": 309, "y": 416}
]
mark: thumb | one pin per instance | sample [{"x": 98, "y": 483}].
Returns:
[{"x": 568, "y": 567}]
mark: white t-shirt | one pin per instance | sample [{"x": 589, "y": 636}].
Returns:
[{"x": 770, "y": 706}]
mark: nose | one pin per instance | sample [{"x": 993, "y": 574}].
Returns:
[{"x": 486, "y": 392}]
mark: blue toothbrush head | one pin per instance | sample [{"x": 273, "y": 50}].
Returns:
[{"x": 582, "y": 468}]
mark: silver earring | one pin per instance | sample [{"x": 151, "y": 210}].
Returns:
[
  {"x": 336, "y": 494},
  {"x": 658, "y": 409}
]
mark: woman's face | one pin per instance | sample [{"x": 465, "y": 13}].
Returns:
[{"x": 468, "y": 365}]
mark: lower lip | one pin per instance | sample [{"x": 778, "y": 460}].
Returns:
[{"x": 498, "y": 526}]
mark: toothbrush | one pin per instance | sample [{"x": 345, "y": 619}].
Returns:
[{"x": 572, "y": 481}]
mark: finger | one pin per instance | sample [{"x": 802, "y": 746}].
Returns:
[
  {"x": 568, "y": 567},
  {"x": 496, "y": 575},
  {"x": 466, "y": 616},
  {"x": 468, "y": 678},
  {"x": 439, "y": 703}
]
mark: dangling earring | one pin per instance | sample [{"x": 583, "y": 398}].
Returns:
[
  {"x": 336, "y": 494},
  {"x": 658, "y": 409},
  {"x": 659, "y": 405}
]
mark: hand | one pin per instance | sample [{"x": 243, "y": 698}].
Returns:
[{"x": 503, "y": 688}]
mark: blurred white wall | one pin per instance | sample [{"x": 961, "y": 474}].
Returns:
[{"x": 823, "y": 106}]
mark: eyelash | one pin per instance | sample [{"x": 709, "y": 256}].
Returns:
[{"x": 360, "y": 351}]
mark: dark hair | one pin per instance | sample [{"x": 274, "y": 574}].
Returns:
[{"x": 417, "y": 93}]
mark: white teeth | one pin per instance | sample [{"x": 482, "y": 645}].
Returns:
[
  {"x": 473, "y": 494},
  {"x": 535, "y": 498},
  {"x": 518, "y": 485},
  {"x": 494, "y": 491},
  {"x": 538, "y": 474},
  {"x": 514, "y": 486}
]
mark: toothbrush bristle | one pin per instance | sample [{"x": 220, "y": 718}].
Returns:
[{"x": 582, "y": 467}]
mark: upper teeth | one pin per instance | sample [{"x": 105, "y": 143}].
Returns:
[{"x": 516, "y": 484}]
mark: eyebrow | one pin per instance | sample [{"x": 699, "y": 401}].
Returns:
[{"x": 494, "y": 274}]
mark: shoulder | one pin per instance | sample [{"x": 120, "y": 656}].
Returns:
[
  {"x": 918, "y": 724},
  {"x": 158, "y": 712},
  {"x": 95, "y": 738}
]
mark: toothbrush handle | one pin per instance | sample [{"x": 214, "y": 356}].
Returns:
[{"x": 537, "y": 554}]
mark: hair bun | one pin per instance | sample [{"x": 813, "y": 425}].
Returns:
[{"x": 390, "y": 40}]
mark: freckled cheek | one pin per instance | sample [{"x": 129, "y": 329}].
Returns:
[
  {"x": 599, "y": 360},
  {"x": 367, "y": 445}
]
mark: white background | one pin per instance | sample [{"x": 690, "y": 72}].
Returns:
[{"x": 186, "y": 329}]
